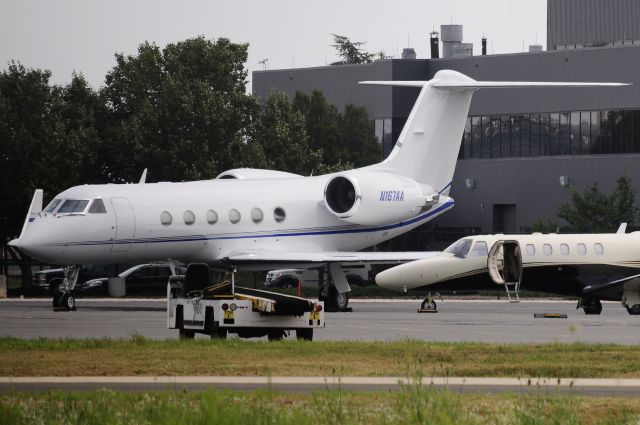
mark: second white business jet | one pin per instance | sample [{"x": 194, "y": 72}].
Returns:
[
  {"x": 260, "y": 219},
  {"x": 591, "y": 267}
]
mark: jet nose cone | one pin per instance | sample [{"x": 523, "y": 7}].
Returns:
[
  {"x": 390, "y": 279},
  {"x": 14, "y": 243}
]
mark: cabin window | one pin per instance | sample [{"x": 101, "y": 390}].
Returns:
[
  {"x": 234, "y": 216},
  {"x": 564, "y": 249},
  {"x": 97, "y": 207},
  {"x": 460, "y": 248},
  {"x": 479, "y": 249},
  {"x": 52, "y": 206},
  {"x": 166, "y": 218},
  {"x": 582, "y": 249},
  {"x": 257, "y": 215},
  {"x": 73, "y": 206},
  {"x": 279, "y": 215},
  {"x": 531, "y": 250},
  {"x": 212, "y": 217},
  {"x": 598, "y": 248},
  {"x": 546, "y": 248},
  {"x": 189, "y": 217}
]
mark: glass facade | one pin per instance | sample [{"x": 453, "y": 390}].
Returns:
[{"x": 550, "y": 134}]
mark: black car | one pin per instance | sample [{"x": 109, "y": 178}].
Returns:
[
  {"x": 142, "y": 279},
  {"x": 52, "y": 278}
]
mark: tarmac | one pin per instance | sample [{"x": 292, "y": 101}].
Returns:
[{"x": 387, "y": 320}]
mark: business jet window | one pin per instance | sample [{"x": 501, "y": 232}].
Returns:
[
  {"x": 73, "y": 206},
  {"x": 460, "y": 248},
  {"x": 52, "y": 206},
  {"x": 564, "y": 249},
  {"x": 234, "y": 216},
  {"x": 97, "y": 207},
  {"x": 165, "y": 218},
  {"x": 189, "y": 217},
  {"x": 279, "y": 215},
  {"x": 531, "y": 250},
  {"x": 598, "y": 249},
  {"x": 582, "y": 249},
  {"x": 257, "y": 215},
  {"x": 479, "y": 249},
  {"x": 546, "y": 248},
  {"x": 212, "y": 217}
]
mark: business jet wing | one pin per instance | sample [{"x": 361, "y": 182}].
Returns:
[
  {"x": 608, "y": 286},
  {"x": 268, "y": 257}
]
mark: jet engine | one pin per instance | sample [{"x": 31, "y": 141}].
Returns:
[{"x": 375, "y": 198}]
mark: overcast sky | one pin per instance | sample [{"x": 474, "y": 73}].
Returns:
[{"x": 83, "y": 35}]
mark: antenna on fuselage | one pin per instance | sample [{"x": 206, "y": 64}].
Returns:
[{"x": 143, "y": 178}]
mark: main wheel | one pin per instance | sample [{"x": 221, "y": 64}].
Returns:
[
  {"x": 342, "y": 301},
  {"x": 68, "y": 301},
  {"x": 592, "y": 307},
  {"x": 634, "y": 310},
  {"x": 305, "y": 334}
]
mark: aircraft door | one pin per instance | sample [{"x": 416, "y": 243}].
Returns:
[
  {"x": 505, "y": 267},
  {"x": 125, "y": 224}
]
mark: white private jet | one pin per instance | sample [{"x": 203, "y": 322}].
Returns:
[
  {"x": 592, "y": 267},
  {"x": 262, "y": 219}
]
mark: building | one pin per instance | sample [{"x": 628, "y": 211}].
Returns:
[{"x": 521, "y": 148}]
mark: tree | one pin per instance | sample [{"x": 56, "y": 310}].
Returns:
[
  {"x": 595, "y": 212},
  {"x": 181, "y": 111},
  {"x": 350, "y": 52},
  {"x": 281, "y": 132},
  {"x": 359, "y": 141}
]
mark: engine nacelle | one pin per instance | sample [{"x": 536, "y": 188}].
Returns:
[{"x": 374, "y": 198}]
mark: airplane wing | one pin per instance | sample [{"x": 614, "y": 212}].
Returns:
[
  {"x": 603, "y": 287},
  {"x": 268, "y": 257}
]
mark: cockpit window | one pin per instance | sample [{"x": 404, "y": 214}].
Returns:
[
  {"x": 460, "y": 248},
  {"x": 480, "y": 249},
  {"x": 71, "y": 206},
  {"x": 52, "y": 206},
  {"x": 97, "y": 207}
]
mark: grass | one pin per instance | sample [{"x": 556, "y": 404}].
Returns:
[
  {"x": 140, "y": 356},
  {"x": 408, "y": 406}
]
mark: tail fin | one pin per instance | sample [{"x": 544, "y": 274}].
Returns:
[{"x": 428, "y": 145}]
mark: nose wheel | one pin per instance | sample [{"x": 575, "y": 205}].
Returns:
[
  {"x": 63, "y": 297},
  {"x": 428, "y": 305}
]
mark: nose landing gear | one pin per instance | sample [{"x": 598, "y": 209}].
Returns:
[{"x": 64, "y": 298}]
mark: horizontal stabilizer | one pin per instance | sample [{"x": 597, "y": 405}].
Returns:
[{"x": 475, "y": 85}]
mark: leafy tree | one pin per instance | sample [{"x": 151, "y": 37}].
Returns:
[
  {"x": 181, "y": 111},
  {"x": 351, "y": 52},
  {"x": 359, "y": 141},
  {"x": 281, "y": 132},
  {"x": 595, "y": 212}
]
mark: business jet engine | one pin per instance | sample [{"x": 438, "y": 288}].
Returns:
[{"x": 375, "y": 198}]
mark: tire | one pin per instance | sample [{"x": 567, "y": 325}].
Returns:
[
  {"x": 426, "y": 305},
  {"x": 56, "y": 300},
  {"x": 342, "y": 301},
  {"x": 68, "y": 301},
  {"x": 275, "y": 334},
  {"x": 634, "y": 310},
  {"x": 593, "y": 307},
  {"x": 304, "y": 334}
]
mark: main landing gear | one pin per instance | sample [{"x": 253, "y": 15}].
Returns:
[
  {"x": 334, "y": 290},
  {"x": 63, "y": 297},
  {"x": 590, "y": 305}
]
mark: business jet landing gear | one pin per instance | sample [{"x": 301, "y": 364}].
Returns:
[
  {"x": 590, "y": 305},
  {"x": 631, "y": 301},
  {"x": 334, "y": 290},
  {"x": 428, "y": 305},
  {"x": 63, "y": 297}
]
